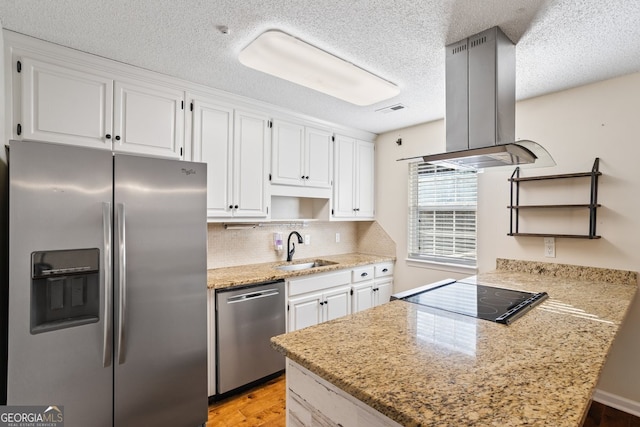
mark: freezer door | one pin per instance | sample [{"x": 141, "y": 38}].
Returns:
[
  {"x": 60, "y": 200},
  {"x": 160, "y": 292}
]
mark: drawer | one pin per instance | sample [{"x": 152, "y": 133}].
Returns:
[
  {"x": 361, "y": 274},
  {"x": 318, "y": 282},
  {"x": 384, "y": 269}
]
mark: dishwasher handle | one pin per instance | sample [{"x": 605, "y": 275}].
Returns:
[{"x": 253, "y": 295}]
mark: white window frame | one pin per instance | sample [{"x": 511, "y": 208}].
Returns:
[{"x": 447, "y": 198}]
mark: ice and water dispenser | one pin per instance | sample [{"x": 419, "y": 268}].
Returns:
[{"x": 65, "y": 289}]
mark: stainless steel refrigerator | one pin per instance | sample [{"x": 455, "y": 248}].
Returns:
[{"x": 107, "y": 286}]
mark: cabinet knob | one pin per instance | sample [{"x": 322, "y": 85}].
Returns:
[
  {"x": 117, "y": 137},
  {"x": 384, "y": 270},
  {"x": 365, "y": 274},
  {"x": 235, "y": 207},
  {"x": 108, "y": 136},
  {"x": 321, "y": 303},
  {"x": 326, "y": 302},
  {"x": 302, "y": 177},
  {"x": 306, "y": 177},
  {"x": 230, "y": 206}
]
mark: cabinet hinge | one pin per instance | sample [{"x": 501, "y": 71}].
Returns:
[
  {"x": 287, "y": 307},
  {"x": 351, "y": 291},
  {"x": 267, "y": 210},
  {"x": 269, "y": 177},
  {"x": 180, "y": 151},
  {"x": 19, "y": 129},
  {"x": 191, "y": 106},
  {"x": 331, "y": 211},
  {"x": 333, "y": 138},
  {"x": 19, "y": 66},
  {"x": 270, "y": 124},
  {"x": 182, "y": 105}
]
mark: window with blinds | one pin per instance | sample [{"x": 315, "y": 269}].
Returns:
[{"x": 442, "y": 214}]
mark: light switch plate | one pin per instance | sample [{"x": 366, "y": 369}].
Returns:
[
  {"x": 337, "y": 237},
  {"x": 550, "y": 247}
]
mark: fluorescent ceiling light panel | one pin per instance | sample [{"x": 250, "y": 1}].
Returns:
[{"x": 289, "y": 58}]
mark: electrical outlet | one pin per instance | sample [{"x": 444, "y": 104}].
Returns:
[
  {"x": 550, "y": 247},
  {"x": 307, "y": 239},
  {"x": 337, "y": 237}
]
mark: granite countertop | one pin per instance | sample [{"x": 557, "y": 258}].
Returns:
[
  {"x": 225, "y": 277},
  {"x": 422, "y": 367}
]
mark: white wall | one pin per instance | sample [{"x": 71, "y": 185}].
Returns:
[{"x": 575, "y": 126}]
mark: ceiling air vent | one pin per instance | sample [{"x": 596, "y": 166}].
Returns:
[{"x": 391, "y": 109}]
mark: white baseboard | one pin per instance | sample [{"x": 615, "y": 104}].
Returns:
[{"x": 617, "y": 402}]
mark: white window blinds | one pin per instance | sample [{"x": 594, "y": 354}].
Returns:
[{"x": 442, "y": 214}]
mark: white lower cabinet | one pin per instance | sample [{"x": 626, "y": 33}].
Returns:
[
  {"x": 372, "y": 286},
  {"x": 318, "y": 298},
  {"x": 314, "y": 402}
]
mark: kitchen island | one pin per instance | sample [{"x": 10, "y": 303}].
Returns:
[{"x": 418, "y": 366}]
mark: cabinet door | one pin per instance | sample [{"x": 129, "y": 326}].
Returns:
[
  {"x": 211, "y": 342},
  {"x": 364, "y": 185},
  {"x": 337, "y": 302},
  {"x": 66, "y": 105},
  {"x": 212, "y": 143},
  {"x": 305, "y": 311},
  {"x": 318, "y": 158},
  {"x": 344, "y": 177},
  {"x": 250, "y": 162},
  {"x": 288, "y": 154},
  {"x": 149, "y": 119},
  {"x": 362, "y": 296},
  {"x": 383, "y": 292}
]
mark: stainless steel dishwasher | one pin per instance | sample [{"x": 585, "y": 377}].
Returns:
[{"x": 246, "y": 319}]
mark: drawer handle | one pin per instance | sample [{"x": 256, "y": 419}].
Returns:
[
  {"x": 365, "y": 274},
  {"x": 384, "y": 270}
]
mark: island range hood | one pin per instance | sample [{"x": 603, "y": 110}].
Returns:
[{"x": 480, "y": 106}]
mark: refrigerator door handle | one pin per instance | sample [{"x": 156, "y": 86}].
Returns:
[
  {"x": 122, "y": 283},
  {"x": 108, "y": 280}
]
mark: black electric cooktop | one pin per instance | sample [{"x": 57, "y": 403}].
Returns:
[{"x": 484, "y": 302}]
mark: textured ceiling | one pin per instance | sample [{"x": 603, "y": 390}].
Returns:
[{"x": 560, "y": 44}]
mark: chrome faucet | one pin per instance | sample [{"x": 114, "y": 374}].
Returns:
[{"x": 291, "y": 251}]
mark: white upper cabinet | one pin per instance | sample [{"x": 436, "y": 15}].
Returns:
[
  {"x": 69, "y": 102},
  {"x": 251, "y": 164},
  {"x": 65, "y": 105},
  {"x": 301, "y": 157},
  {"x": 212, "y": 143},
  {"x": 353, "y": 188},
  {"x": 288, "y": 156},
  {"x": 235, "y": 146},
  {"x": 149, "y": 119},
  {"x": 318, "y": 157},
  {"x": 364, "y": 188}
]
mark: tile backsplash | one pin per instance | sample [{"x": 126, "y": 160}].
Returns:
[{"x": 229, "y": 247}]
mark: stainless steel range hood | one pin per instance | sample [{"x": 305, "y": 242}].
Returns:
[{"x": 480, "y": 106}]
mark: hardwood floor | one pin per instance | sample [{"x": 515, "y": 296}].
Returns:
[
  {"x": 264, "y": 406},
  {"x": 605, "y": 416}
]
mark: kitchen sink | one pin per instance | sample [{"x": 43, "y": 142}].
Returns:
[{"x": 305, "y": 265}]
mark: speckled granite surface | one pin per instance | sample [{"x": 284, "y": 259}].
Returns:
[
  {"x": 219, "y": 278},
  {"x": 569, "y": 271},
  {"x": 426, "y": 367}
]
